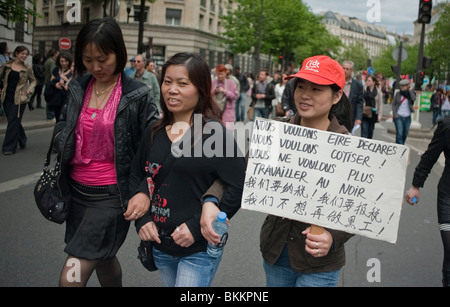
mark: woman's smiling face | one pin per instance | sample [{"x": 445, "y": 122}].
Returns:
[
  {"x": 314, "y": 101},
  {"x": 179, "y": 93}
]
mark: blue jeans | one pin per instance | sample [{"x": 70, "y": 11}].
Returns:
[
  {"x": 402, "y": 125},
  {"x": 240, "y": 106},
  {"x": 196, "y": 270},
  {"x": 367, "y": 128},
  {"x": 282, "y": 275},
  {"x": 436, "y": 113},
  {"x": 261, "y": 112}
]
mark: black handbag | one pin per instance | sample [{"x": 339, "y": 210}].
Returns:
[
  {"x": 48, "y": 196},
  {"x": 145, "y": 254}
]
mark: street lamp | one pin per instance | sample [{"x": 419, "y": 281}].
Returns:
[
  {"x": 141, "y": 16},
  {"x": 129, "y": 6}
]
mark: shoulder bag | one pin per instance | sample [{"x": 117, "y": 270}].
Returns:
[
  {"x": 221, "y": 98},
  {"x": 145, "y": 248},
  {"x": 47, "y": 194}
]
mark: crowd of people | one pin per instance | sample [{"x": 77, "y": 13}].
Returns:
[{"x": 117, "y": 127}]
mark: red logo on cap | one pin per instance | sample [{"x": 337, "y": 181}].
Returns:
[{"x": 312, "y": 65}]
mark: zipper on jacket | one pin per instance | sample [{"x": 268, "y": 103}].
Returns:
[
  {"x": 120, "y": 110},
  {"x": 70, "y": 132}
]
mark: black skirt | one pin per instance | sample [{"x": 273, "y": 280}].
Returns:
[{"x": 95, "y": 227}]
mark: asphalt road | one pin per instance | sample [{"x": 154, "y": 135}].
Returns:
[{"x": 32, "y": 253}]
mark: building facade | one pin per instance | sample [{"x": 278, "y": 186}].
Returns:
[
  {"x": 18, "y": 33},
  {"x": 169, "y": 26},
  {"x": 352, "y": 30}
]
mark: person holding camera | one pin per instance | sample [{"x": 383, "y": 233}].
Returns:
[{"x": 56, "y": 90}]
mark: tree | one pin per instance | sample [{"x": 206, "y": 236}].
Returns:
[
  {"x": 288, "y": 28},
  {"x": 384, "y": 61},
  {"x": 356, "y": 53},
  {"x": 439, "y": 46},
  {"x": 16, "y": 11}
]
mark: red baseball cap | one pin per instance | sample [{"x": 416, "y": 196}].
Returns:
[{"x": 323, "y": 70}]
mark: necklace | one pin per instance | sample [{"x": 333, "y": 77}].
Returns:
[
  {"x": 102, "y": 101},
  {"x": 99, "y": 93}
]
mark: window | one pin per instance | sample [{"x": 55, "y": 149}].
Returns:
[
  {"x": 86, "y": 15},
  {"x": 201, "y": 21},
  {"x": 173, "y": 17}
]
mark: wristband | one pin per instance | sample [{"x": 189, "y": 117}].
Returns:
[{"x": 211, "y": 199}]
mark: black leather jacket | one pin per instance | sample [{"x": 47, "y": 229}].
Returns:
[{"x": 136, "y": 111}]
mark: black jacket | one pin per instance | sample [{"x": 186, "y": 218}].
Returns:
[
  {"x": 270, "y": 94},
  {"x": 135, "y": 112},
  {"x": 438, "y": 145},
  {"x": 356, "y": 98}
]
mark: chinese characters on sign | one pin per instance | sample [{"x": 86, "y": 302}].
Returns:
[{"x": 332, "y": 180}]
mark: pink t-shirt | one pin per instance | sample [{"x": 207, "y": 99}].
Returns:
[{"x": 93, "y": 163}]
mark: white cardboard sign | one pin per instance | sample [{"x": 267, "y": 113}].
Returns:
[{"x": 328, "y": 179}]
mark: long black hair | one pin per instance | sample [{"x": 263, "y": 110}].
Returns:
[{"x": 343, "y": 109}]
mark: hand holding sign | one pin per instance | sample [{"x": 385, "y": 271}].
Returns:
[{"x": 331, "y": 180}]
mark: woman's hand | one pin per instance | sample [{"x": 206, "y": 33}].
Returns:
[
  {"x": 149, "y": 232},
  {"x": 182, "y": 236},
  {"x": 209, "y": 214},
  {"x": 318, "y": 245},
  {"x": 138, "y": 205},
  {"x": 412, "y": 192}
]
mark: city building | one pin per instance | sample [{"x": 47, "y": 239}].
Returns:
[
  {"x": 169, "y": 26},
  {"x": 18, "y": 33},
  {"x": 352, "y": 30}
]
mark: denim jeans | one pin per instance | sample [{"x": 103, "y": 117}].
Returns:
[
  {"x": 282, "y": 275},
  {"x": 367, "y": 128},
  {"x": 240, "y": 106},
  {"x": 402, "y": 125},
  {"x": 196, "y": 270},
  {"x": 436, "y": 113},
  {"x": 261, "y": 112}
]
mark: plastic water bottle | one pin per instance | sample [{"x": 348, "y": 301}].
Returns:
[{"x": 221, "y": 228}]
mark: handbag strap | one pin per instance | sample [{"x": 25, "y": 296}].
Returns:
[
  {"x": 49, "y": 153},
  {"x": 167, "y": 165}
]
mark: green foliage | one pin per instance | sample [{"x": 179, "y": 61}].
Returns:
[
  {"x": 383, "y": 63},
  {"x": 15, "y": 11},
  {"x": 356, "y": 53},
  {"x": 289, "y": 27},
  {"x": 439, "y": 46}
]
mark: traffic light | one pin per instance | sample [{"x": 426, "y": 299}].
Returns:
[
  {"x": 425, "y": 7},
  {"x": 395, "y": 69},
  {"x": 419, "y": 81},
  {"x": 426, "y": 62},
  {"x": 280, "y": 59}
]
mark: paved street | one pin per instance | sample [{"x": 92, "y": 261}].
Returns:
[{"x": 32, "y": 249}]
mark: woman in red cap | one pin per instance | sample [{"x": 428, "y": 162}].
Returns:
[{"x": 293, "y": 255}]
